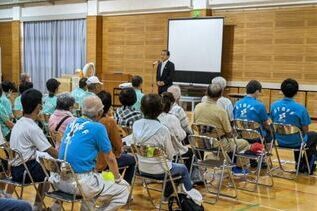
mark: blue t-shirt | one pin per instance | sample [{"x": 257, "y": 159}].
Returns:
[
  {"x": 287, "y": 111},
  {"x": 85, "y": 140},
  {"x": 251, "y": 109}
]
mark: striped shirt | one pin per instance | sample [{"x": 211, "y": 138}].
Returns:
[
  {"x": 126, "y": 116},
  {"x": 181, "y": 115}
]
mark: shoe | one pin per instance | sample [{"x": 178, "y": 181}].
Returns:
[
  {"x": 237, "y": 171},
  {"x": 165, "y": 200},
  {"x": 194, "y": 194}
]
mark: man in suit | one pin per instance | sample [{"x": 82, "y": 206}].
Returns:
[{"x": 164, "y": 73}]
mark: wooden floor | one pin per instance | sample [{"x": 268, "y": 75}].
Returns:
[{"x": 284, "y": 195}]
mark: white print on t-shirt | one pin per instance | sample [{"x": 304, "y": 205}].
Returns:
[
  {"x": 282, "y": 113},
  {"x": 244, "y": 108}
]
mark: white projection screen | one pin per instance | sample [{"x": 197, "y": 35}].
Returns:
[{"x": 195, "y": 46}]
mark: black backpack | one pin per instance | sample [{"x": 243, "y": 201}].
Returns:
[{"x": 186, "y": 204}]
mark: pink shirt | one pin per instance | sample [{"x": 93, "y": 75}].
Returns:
[{"x": 56, "y": 117}]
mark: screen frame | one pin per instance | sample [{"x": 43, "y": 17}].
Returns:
[{"x": 205, "y": 77}]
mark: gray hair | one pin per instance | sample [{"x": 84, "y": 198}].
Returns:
[
  {"x": 92, "y": 106},
  {"x": 65, "y": 101},
  {"x": 221, "y": 81},
  {"x": 176, "y": 91},
  {"x": 214, "y": 91}
]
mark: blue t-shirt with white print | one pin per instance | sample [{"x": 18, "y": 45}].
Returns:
[
  {"x": 251, "y": 109},
  {"x": 83, "y": 139},
  {"x": 287, "y": 111}
]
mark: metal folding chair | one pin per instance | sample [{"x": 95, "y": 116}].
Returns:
[
  {"x": 64, "y": 170},
  {"x": 250, "y": 130},
  {"x": 284, "y": 130},
  {"x": 151, "y": 152},
  {"x": 203, "y": 143},
  {"x": 7, "y": 154}
]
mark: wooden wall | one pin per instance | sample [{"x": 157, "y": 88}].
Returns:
[
  {"x": 131, "y": 43},
  {"x": 270, "y": 44},
  {"x": 6, "y": 49}
]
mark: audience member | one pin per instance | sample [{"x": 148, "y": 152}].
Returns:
[
  {"x": 80, "y": 93},
  {"x": 49, "y": 106},
  {"x": 5, "y": 119},
  {"x": 149, "y": 131},
  {"x": 288, "y": 111},
  {"x": 62, "y": 116},
  {"x": 17, "y": 108},
  {"x": 27, "y": 138},
  {"x": 251, "y": 109},
  {"x": 93, "y": 85},
  {"x": 10, "y": 204},
  {"x": 209, "y": 113},
  {"x": 126, "y": 115},
  {"x": 83, "y": 140},
  {"x": 25, "y": 78},
  {"x": 137, "y": 82},
  {"x": 123, "y": 159},
  {"x": 8, "y": 88},
  {"x": 177, "y": 110},
  {"x": 223, "y": 102},
  {"x": 174, "y": 126}
]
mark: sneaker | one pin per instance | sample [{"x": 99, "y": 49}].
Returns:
[{"x": 237, "y": 171}]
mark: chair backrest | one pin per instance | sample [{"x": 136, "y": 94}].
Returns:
[
  {"x": 206, "y": 130},
  {"x": 287, "y": 129},
  {"x": 248, "y": 129},
  {"x": 148, "y": 152}
]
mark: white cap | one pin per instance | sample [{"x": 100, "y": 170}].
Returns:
[{"x": 93, "y": 80}]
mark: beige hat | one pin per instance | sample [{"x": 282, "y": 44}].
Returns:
[{"x": 93, "y": 80}]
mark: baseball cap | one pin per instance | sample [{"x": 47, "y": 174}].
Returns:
[{"x": 93, "y": 80}]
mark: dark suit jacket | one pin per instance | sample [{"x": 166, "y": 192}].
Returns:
[{"x": 166, "y": 77}]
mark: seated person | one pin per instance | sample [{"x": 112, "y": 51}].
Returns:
[
  {"x": 177, "y": 110},
  {"x": 288, "y": 111},
  {"x": 17, "y": 108},
  {"x": 149, "y": 131},
  {"x": 209, "y": 113},
  {"x": 83, "y": 140},
  {"x": 251, "y": 109},
  {"x": 93, "y": 85},
  {"x": 126, "y": 115},
  {"x": 123, "y": 159},
  {"x": 49, "y": 102},
  {"x": 62, "y": 116},
  {"x": 80, "y": 93},
  {"x": 27, "y": 138},
  {"x": 5, "y": 119},
  {"x": 7, "y": 88},
  {"x": 174, "y": 126},
  {"x": 223, "y": 102},
  {"x": 137, "y": 82}
]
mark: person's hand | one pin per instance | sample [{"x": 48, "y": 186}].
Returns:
[
  {"x": 162, "y": 83},
  {"x": 159, "y": 83},
  {"x": 122, "y": 182}
]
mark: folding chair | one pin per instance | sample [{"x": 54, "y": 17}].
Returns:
[
  {"x": 250, "y": 130},
  {"x": 64, "y": 170},
  {"x": 201, "y": 144},
  {"x": 284, "y": 130},
  {"x": 8, "y": 154},
  {"x": 150, "y": 152}
]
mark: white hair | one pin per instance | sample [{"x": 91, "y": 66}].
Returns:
[
  {"x": 221, "y": 81},
  {"x": 87, "y": 67},
  {"x": 176, "y": 91},
  {"x": 92, "y": 106}
]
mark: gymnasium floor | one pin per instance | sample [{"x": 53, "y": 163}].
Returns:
[{"x": 284, "y": 195}]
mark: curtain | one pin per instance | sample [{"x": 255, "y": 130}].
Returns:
[{"x": 53, "y": 48}]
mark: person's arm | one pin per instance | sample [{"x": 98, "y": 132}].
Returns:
[
  {"x": 179, "y": 131},
  {"x": 115, "y": 138},
  {"x": 52, "y": 152},
  {"x": 305, "y": 121},
  {"x": 9, "y": 124},
  {"x": 111, "y": 160},
  {"x": 169, "y": 149}
]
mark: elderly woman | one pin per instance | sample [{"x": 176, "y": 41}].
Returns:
[
  {"x": 62, "y": 116},
  {"x": 223, "y": 102},
  {"x": 177, "y": 110}
]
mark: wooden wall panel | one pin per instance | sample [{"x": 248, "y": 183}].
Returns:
[
  {"x": 277, "y": 94},
  {"x": 270, "y": 44},
  {"x": 131, "y": 43},
  {"x": 311, "y": 103},
  {"x": 6, "y": 49},
  {"x": 16, "y": 51}
]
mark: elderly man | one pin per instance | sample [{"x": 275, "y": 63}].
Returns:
[
  {"x": 177, "y": 110},
  {"x": 94, "y": 85},
  {"x": 83, "y": 139},
  {"x": 209, "y": 113},
  {"x": 223, "y": 102}
]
